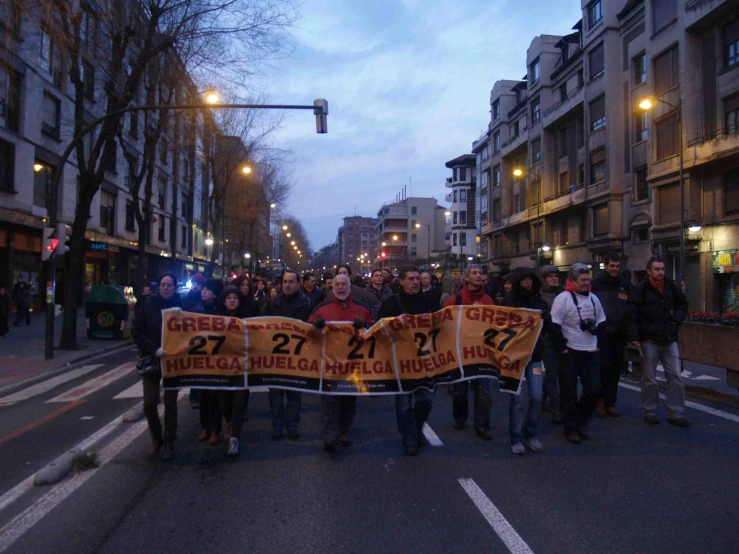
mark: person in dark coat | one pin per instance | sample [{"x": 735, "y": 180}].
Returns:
[
  {"x": 411, "y": 410},
  {"x": 6, "y": 307},
  {"x": 22, "y": 304},
  {"x": 524, "y": 429},
  {"x": 147, "y": 334},
  {"x": 550, "y": 289},
  {"x": 192, "y": 298},
  {"x": 613, "y": 294}
]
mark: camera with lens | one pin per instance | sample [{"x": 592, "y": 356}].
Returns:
[{"x": 589, "y": 325}]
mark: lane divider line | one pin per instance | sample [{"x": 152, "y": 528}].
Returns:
[
  {"x": 497, "y": 521},
  {"x": 694, "y": 405},
  {"x": 46, "y": 386},
  {"x": 39, "y": 422},
  {"x": 432, "y": 437}
]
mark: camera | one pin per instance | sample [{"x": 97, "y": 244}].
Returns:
[{"x": 589, "y": 325}]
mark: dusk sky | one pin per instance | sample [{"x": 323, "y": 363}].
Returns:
[{"x": 408, "y": 85}]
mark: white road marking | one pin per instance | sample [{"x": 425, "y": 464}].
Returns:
[
  {"x": 705, "y": 378},
  {"x": 46, "y": 386},
  {"x": 497, "y": 521},
  {"x": 95, "y": 384},
  {"x": 432, "y": 437},
  {"x": 134, "y": 391},
  {"x": 87, "y": 417},
  {"x": 694, "y": 405}
]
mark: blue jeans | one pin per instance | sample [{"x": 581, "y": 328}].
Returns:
[
  {"x": 285, "y": 414},
  {"x": 518, "y": 428},
  {"x": 411, "y": 411}
]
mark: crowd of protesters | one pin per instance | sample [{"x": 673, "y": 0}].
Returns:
[{"x": 588, "y": 325}]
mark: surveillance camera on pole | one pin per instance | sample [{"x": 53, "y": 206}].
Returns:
[
  {"x": 320, "y": 108},
  {"x": 49, "y": 244},
  {"x": 64, "y": 235}
]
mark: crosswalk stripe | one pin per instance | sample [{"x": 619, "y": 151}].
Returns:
[
  {"x": 134, "y": 391},
  {"x": 46, "y": 386},
  {"x": 94, "y": 384}
]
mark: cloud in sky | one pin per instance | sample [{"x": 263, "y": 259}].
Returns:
[{"x": 408, "y": 84}]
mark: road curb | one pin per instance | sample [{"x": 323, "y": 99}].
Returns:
[{"x": 68, "y": 366}]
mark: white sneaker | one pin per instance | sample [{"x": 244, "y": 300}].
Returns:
[
  {"x": 535, "y": 445},
  {"x": 518, "y": 449},
  {"x": 226, "y": 430},
  {"x": 233, "y": 446}
]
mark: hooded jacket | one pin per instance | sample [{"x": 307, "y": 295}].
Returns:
[
  {"x": 247, "y": 306},
  {"x": 520, "y": 297},
  {"x": 147, "y": 322},
  {"x": 342, "y": 310},
  {"x": 653, "y": 316},
  {"x": 613, "y": 294}
]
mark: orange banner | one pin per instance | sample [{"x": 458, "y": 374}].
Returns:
[{"x": 395, "y": 355}]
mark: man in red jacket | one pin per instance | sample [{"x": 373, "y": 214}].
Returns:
[
  {"x": 337, "y": 411},
  {"x": 472, "y": 294}
]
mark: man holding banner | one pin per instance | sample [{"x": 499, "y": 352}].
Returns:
[
  {"x": 411, "y": 409},
  {"x": 338, "y": 412}
]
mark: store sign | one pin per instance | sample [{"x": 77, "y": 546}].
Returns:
[
  {"x": 98, "y": 246},
  {"x": 726, "y": 261}
]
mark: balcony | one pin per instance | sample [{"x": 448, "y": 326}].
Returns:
[
  {"x": 517, "y": 218},
  {"x": 448, "y": 198},
  {"x": 563, "y": 200},
  {"x": 574, "y": 99},
  {"x": 713, "y": 146},
  {"x": 697, "y": 11},
  {"x": 514, "y": 143}
]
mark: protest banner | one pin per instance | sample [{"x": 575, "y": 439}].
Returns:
[{"x": 395, "y": 355}]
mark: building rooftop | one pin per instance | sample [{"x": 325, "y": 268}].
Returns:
[{"x": 465, "y": 160}]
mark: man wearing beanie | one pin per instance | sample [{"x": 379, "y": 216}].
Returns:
[{"x": 550, "y": 289}]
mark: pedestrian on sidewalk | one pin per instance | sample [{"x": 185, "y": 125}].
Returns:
[
  {"x": 412, "y": 409},
  {"x": 524, "y": 429},
  {"x": 337, "y": 412},
  {"x": 147, "y": 334},
  {"x": 613, "y": 294},
  {"x": 550, "y": 289},
  {"x": 657, "y": 307},
  {"x": 473, "y": 294},
  {"x": 285, "y": 404},
  {"x": 580, "y": 315},
  {"x": 23, "y": 304},
  {"x": 6, "y": 308}
]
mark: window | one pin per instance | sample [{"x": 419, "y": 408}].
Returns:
[
  {"x": 731, "y": 113},
  {"x": 642, "y": 189},
  {"x": 130, "y": 217},
  {"x": 183, "y": 243},
  {"x": 454, "y": 239},
  {"x": 414, "y": 237},
  {"x": 463, "y": 239},
  {"x": 162, "y": 228},
  {"x": 731, "y": 43},
  {"x": 413, "y": 224},
  {"x": 41, "y": 181},
  {"x": 484, "y": 180},
  {"x": 640, "y": 69},
  {"x": 640, "y": 127},
  {"x": 581, "y": 175},
  {"x": 50, "y": 58},
  {"x": 185, "y": 170},
  {"x": 88, "y": 29},
  {"x": 414, "y": 252},
  {"x": 454, "y": 198},
  {"x": 535, "y": 111},
  {"x": 454, "y": 218},
  {"x": 496, "y": 110},
  {"x": 516, "y": 203},
  {"x": 663, "y": 13},
  {"x": 496, "y": 176},
  {"x": 563, "y": 143},
  {"x": 731, "y": 192},
  {"x": 666, "y": 71},
  {"x": 7, "y": 166},
  {"x": 463, "y": 196},
  {"x": 597, "y": 62},
  {"x": 129, "y": 177},
  {"x": 107, "y": 212},
  {"x": 669, "y": 204},
  {"x": 666, "y": 131},
  {"x": 496, "y": 141},
  {"x": 598, "y": 166},
  {"x": 10, "y": 98},
  {"x": 462, "y": 173},
  {"x": 595, "y": 13},
  {"x": 454, "y": 174},
  {"x": 563, "y": 92},
  {"x": 496, "y": 209},
  {"x": 484, "y": 204},
  {"x": 564, "y": 181},
  {"x": 184, "y": 204},
  {"x": 536, "y": 150},
  {"x": 600, "y": 220},
  {"x": 598, "y": 113},
  {"x": 497, "y": 245},
  {"x": 580, "y": 132},
  {"x": 50, "y": 115},
  {"x": 514, "y": 129},
  {"x": 463, "y": 218},
  {"x": 535, "y": 70},
  {"x": 162, "y": 192},
  {"x": 641, "y": 235},
  {"x": 88, "y": 80},
  {"x": 414, "y": 210},
  {"x": 534, "y": 193}
]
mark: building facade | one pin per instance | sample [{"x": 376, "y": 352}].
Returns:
[
  {"x": 355, "y": 241},
  {"x": 597, "y": 172},
  {"x": 463, "y": 202}
]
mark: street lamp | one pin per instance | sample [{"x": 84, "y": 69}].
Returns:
[
  {"x": 284, "y": 227},
  {"x": 518, "y": 172},
  {"x": 428, "y": 240},
  {"x": 209, "y": 241},
  {"x": 246, "y": 170},
  {"x": 648, "y": 103},
  {"x": 211, "y": 97}
]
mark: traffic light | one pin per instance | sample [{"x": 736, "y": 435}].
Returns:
[
  {"x": 49, "y": 244},
  {"x": 320, "y": 108},
  {"x": 64, "y": 235}
]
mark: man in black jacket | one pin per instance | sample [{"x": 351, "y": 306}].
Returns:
[
  {"x": 289, "y": 303},
  {"x": 411, "y": 410},
  {"x": 657, "y": 307},
  {"x": 613, "y": 293}
]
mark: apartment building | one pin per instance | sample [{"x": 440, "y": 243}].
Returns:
[
  {"x": 598, "y": 172},
  {"x": 356, "y": 239},
  {"x": 463, "y": 200},
  {"x": 411, "y": 230},
  {"x": 37, "y": 123}
]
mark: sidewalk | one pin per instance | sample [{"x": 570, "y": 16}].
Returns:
[{"x": 22, "y": 351}]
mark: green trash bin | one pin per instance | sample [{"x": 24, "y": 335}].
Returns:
[{"x": 109, "y": 312}]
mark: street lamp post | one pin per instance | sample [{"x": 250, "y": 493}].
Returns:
[
  {"x": 518, "y": 172},
  {"x": 428, "y": 242},
  {"x": 647, "y": 104}
]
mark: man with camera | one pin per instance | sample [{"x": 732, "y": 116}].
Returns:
[{"x": 579, "y": 314}]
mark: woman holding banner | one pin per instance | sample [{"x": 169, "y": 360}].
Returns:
[{"x": 147, "y": 334}]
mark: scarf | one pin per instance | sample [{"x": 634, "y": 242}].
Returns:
[
  {"x": 659, "y": 285},
  {"x": 570, "y": 286}
]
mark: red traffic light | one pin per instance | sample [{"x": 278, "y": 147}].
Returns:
[{"x": 52, "y": 245}]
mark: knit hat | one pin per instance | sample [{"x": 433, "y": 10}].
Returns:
[
  {"x": 215, "y": 286},
  {"x": 547, "y": 269},
  {"x": 198, "y": 278}
]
